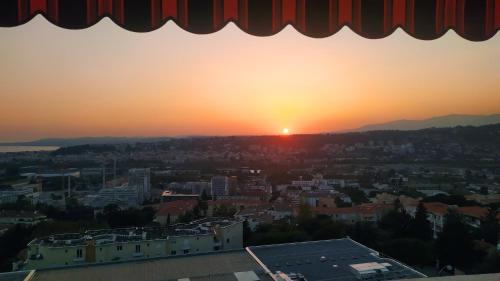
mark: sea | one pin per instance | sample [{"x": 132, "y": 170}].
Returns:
[{"x": 8, "y": 148}]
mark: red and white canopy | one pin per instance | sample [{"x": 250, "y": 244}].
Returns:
[{"x": 475, "y": 20}]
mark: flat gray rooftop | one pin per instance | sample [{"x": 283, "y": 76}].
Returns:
[
  {"x": 14, "y": 276},
  {"x": 306, "y": 258},
  {"x": 212, "y": 267},
  {"x": 480, "y": 277}
]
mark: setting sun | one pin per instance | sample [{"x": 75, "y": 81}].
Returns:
[{"x": 285, "y": 131}]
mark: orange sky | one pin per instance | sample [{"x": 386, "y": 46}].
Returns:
[{"x": 105, "y": 81}]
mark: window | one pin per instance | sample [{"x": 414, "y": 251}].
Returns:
[
  {"x": 119, "y": 247},
  {"x": 100, "y": 249},
  {"x": 227, "y": 240},
  {"x": 173, "y": 253},
  {"x": 147, "y": 245},
  {"x": 137, "y": 248},
  {"x": 79, "y": 253},
  {"x": 186, "y": 251}
]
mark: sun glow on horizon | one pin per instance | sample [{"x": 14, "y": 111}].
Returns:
[{"x": 104, "y": 81}]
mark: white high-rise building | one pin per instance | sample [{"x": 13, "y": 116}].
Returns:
[
  {"x": 123, "y": 197},
  {"x": 141, "y": 180},
  {"x": 220, "y": 186}
]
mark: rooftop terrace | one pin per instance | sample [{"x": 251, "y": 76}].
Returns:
[{"x": 106, "y": 236}]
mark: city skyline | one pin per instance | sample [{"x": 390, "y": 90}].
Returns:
[{"x": 105, "y": 81}]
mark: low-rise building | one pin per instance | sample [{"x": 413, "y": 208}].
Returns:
[
  {"x": 21, "y": 217},
  {"x": 436, "y": 213},
  {"x": 116, "y": 245}
]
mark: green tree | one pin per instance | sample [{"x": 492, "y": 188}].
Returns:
[
  {"x": 491, "y": 264},
  {"x": 455, "y": 244},
  {"x": 396, "y": 221},
  {"x": 186, "y": 217},
  {"x": 490, "y": 227},
  {"x": 247, "y": 233},
  {"x": 224, "y": 211},
  {"x": 11, "y": 242},
  {"x": 204, "y": 195},
  {"x": 340, "y": 204},
  {"x": 365, "y": 233},
  {"x": 409, "y": 250},
  {"x": 420, "y": 227},
  {"x": 203, "y": 205},
  {"x": 305, "y": 214}
]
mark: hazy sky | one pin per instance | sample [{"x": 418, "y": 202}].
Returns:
[{"x": 105, "y": 81}]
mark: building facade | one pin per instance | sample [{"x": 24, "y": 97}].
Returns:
[
  {"x": 141, "y": 180},
  {"x": 220, "y": 186},
  {"x": 123, "y": 197},
  {"x": 115, "y": 245}
]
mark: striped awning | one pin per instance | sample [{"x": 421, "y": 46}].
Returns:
[{"x": 475, "y": 20}]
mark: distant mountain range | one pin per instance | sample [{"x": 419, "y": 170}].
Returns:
[
  {"x": 399, "y": 125},
  {"x": 65, "y": 142},
  {"x": 435, "y": 122}
]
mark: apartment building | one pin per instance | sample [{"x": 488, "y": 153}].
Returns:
[
  {"x": 116, "y": 245},
  {"x": 124, "y": 197},
  {"x": 141, "y": 180}
]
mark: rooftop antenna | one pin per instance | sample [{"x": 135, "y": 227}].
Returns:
[
  {"x": 114, "y": 171},
  {"x": 69, "y": 185},
  {"x": 103, "y": 174}
]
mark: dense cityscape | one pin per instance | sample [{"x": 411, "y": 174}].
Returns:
[{"x": 423, "y": 201}]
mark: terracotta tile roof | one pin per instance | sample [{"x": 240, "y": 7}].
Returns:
[
  {"x": 437, "y": 208},
  {"x": 237, "y": 202},
  {"x": 283, "y": 207},
  {"x": 176, "y": 207},
  {"x": 473, "y": 211},
  {"x": 364, "y": 209}
]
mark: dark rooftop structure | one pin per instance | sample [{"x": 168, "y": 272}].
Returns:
[
  {"x": 224, "y": 266},
  {"x": 15, "y": 276},
  {"x": 331, "y": 260}
]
